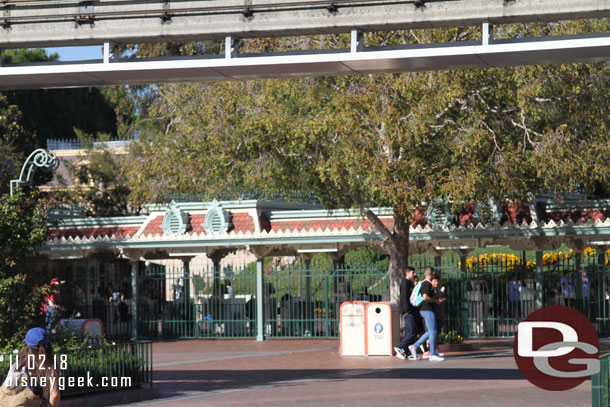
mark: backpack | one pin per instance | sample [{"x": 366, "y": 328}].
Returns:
[
  {"x": 17, "y": 395},
  {"x": 417, "y": 298}
]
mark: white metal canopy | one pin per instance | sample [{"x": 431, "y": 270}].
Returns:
[{"x": 419, "y": 58}]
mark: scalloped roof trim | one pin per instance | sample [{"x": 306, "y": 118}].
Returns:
[{"x": 321, "y": 231}]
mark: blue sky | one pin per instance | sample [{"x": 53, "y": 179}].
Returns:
[{"x": 77, "y": 53}]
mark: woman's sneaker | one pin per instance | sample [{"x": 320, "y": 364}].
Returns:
[
  {"x": 413, "y": 352},
  {"x": 426, "y": 355},
  {"x": 441, "y": 354},
  {"x": 400, "y": 354},
  {"x": 435, "y": 358}
]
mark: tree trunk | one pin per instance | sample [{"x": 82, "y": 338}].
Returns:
[
  {"x": 398, "y": 242},
  {"x": 399, "y": 256}
]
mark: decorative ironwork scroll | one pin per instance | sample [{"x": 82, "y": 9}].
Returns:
[{"x": 40, "y": 158}]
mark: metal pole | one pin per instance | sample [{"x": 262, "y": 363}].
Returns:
[
  {"x": 539, "y": 280},
  {"x": 107, "y": 51},
  {"x": 186, "y": 294},
  {"x": 308, "y": 279},
  {"x": 133, "y": 264},
  {"x": 260, "y": 322},
  {"x": 487, "y": 33},
  {"x": 356, "y": 43}
]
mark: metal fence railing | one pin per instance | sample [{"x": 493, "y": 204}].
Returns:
[
  {"x": 303, "y": 299},
  {"x": 76, "y": 144},
  {"x": 110, "y": 367},
  {"x": 600, "y": 384},
  {"x": 297, "y": 301}
]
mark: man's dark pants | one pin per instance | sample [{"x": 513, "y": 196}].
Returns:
[{"x": 411, "y": 327}]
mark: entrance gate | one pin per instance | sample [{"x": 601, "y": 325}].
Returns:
[{"x": 304, "y": 302}]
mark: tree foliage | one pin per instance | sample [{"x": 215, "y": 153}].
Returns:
[
  {"x": 22, "y": 230},
  {"x": 102, "y": 183},
  {"x": 13, "y": 138},
  {"x": 388, "y": 140},
  {"x": 55, "y": 113}
]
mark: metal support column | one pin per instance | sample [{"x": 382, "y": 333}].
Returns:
[
  {"x": 231, "y": 47},
  {"x": 577, "y": 277},
  {"x": 539, "y": 281},
  {"x": 357, "y": 42},
  {"x": 260, "y": 316},
  {"x": 487, "y": 33},
  {"x": 107, "y": 51},
  {"x": 216, "y": 277},
  {"x": 464, "y": 306},
  {"x": 308, "y": 279},
  {"x": 134, "y": 266},
  {"x": 185, "y": 313}
]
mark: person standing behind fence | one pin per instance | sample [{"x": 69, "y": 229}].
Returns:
[
  {"x": 567, "y": 287},
  {"x": 585, "y": 286},
  {"x": 514, "y": 298},
  {"x": 408, "y": 314},
  {"x": 567, "y": 290},
  {"x": 228, "y": 290},
  {"x": 51, "y": 305},
  {"x": 428, "y": 312},
  {"x": 177, "y": 291}
]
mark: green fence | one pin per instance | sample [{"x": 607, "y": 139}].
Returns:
[
  {"x": 303, "y": 300},
  {"x": 297, "y": 301},
  {"x": 98, "y": 369},
  {"x": 480, "y": 302},
  {"x": 600, "y": 384}
]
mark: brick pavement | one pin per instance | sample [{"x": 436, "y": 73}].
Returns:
[{"x": 311, "y": 372}]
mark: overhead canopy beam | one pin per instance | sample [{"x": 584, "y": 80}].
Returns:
[
  {"x": 418, "y": 58},
  {"x": 36, "y": 24}
]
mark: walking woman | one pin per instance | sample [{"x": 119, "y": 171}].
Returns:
[
  {"x": 33, "y": 379},
  {"x": 428, "y": 312}
]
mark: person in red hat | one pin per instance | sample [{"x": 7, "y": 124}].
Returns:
[{"x": 51, "y": 305}]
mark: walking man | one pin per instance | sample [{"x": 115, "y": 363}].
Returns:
[{"x": 408, "y": 314}]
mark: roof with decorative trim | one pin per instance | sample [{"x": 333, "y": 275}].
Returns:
[{"x": 260, "y": 223}]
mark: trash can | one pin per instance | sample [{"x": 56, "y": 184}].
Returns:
[
  {"x": 352, "y": 325},
  {"x": 382, "y": 328},
  {"x": 92, "y": 328}
]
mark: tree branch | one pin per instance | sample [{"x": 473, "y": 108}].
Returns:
[{"x": 370, "y": 215}]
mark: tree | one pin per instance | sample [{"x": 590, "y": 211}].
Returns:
[
  {"x": 391, "y": 140},
  {"x": 22, "y": 230},
  {"x": 54, "y": 113},
  {"x": 13, "y": 136},
  {"x": 103, "y": 185}
]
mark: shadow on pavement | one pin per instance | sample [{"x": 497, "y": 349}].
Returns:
[{"x": 173, "y": 382}]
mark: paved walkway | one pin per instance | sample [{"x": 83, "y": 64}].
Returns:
[{"x": 312, "y": 373}]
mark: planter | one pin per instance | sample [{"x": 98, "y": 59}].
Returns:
[{"x": 455, "y": 347}]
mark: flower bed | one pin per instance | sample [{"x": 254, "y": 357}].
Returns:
[
  {"x": 515, "y": 263},
  {"x": 452, "y": 341}
]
